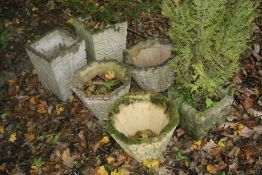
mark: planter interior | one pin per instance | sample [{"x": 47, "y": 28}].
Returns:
[
  {"x": 135, "y": 113},
  {"x": 53, "y": 44},
  {"x": 98, "y": 67},
  {"x": 140, "y": 116},
  {"x": 149, "y": 54}
]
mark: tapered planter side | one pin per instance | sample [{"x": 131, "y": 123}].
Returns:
[
  {"x": 140, "y": 112},
  {"x": 198, "y": 124},
  {"x": 108, "y": 43},
  {"x": 56, "y": 56},
  {"x": 149, "y": 61},
  {"x": 99, "y": 105}
]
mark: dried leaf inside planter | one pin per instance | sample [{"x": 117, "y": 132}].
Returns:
[
  {"x": 145, "y": 134},
  {"x": 102, "y": 84}
]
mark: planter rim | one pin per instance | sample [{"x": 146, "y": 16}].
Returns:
[
  {"x": 100, "y": 30},
  {"x": 171, "y": 109},
  {"x": 132, "y": 66},
  {"x": 78, "y": 40},
  {"x": 126, "y": 81}
]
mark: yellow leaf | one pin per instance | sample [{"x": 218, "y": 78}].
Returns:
[
  {"x": 12, "y": 137},
  {"x": 240, "y": 126},
  {"x": 33, "y": 167},
  {"x": 151, "y": 164},
  {"x": 221, "y": 144},
  {"x": 32, "y": 100},
  {"x": 104, "y": 140},
  {"x": 33, "y": 72},
  {"x": 59, "y": 109},
  {"x": 8, "y": 23},
  {"x": 102, "y": 171},
  {"x": 17, "y": 21},
  {"x": 110, "y": 75},
  {"x": 123, "y": 171},
  {"x": 42, "y": 107},
  {"x": 115, "y": 173},
  {"x": 212, "y": 168},
  {"x": 110, "y": 159},
  {"x": 66, "y": 155},
  {"x": 187, "y": 162},
  {"x": 198, "y": 143},
  {"x": 71, "y": 98},
  {"x": 2, "y": 130},
  {"x": 71, "y": 21}
]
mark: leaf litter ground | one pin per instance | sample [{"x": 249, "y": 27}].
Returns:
[{"x": 39, "y": 134}]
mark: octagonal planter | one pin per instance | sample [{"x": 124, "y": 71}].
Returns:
[
  {"x": 99, "y": 105},
  {"x": 143, "y": 112},
  {"x": 149, "y": 61},
  {"x": 56, "y": 56},
  {"x": 197, "y": 124},
  {"x": 108, "y": 43}
]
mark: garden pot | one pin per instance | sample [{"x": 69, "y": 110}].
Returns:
[
  {"x": 108, "y": 43},
  {"x": 197, "y": 124},
  {"x": 56, "y": 56},
  {"x": 139, "y": 113},
  {"x": 99, "y": 105},
  {"x": 149, "y": 61}
]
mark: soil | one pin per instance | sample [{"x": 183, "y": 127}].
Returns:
[{"x": 102, "y": 84}]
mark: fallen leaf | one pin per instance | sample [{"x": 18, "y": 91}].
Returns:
[
  {"x": 109, "y": 75},
  {"x": 71, "y": 98},
  {"x": 66, "y": 155},
  {"x": 246, "y": 132},
  {"x": 82, "y": 139},
  {"x": 59, "y": 109},
  {"x": 100, "y": 171},
  {"x": 71, "y": 21},
  {"x": 209, "y": 146},
  {"x": 2, "y": 129},
  {"x": 110, "y": 159},
  {"x": 32, "y": 100},
  {"x": 198, "y": 143},
  {"x": 29, "y": 136},
  {"x": 258, "y": 129},
  {"x": 12, "y": 137},
  {"x": 180, "y": 132},
  {"x": 42, "y": 107},
  {"x": 234, "y": 152},
  {"x": 101, "y": 143},
  {"x": 115, "y": 172},
  {"x": 221, "y": 144},
  {"x": 151, "y": 164},
  {"x": 212, "y": 168}
]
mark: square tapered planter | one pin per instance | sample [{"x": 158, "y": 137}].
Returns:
[
  {"x": 99, "y": 105},
  {"x": 149, "y": 61},
  {"x": 141, "y": 113},
  {"x": 198, "y": 123},
  {"x": 56, "y": 56},
  {"x": 108, "y": 43}
]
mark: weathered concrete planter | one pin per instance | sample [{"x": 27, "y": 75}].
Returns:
[
  {"x": 56, "y": 56},
  {"x": 105, "y": 44},
  {"x": 99, "y": 105},
  {"x": 140, "y": 112},
  {"x": 198, "y": 124},
  {"x": 149, "y": 61}
]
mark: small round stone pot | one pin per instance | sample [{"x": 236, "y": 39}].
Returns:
[
  {"x": 143, "y": 112},
  {"x": 99, "y": 105},
  {"x": 149, "y": 63}
]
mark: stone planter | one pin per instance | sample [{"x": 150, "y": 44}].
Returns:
[
  {"x": 105, "y": 44},
  {"x": 149, "y": 61},
  {"x": 56, "y": 56},
  {"x": 99, "y": 105},
  {"x": 197, "y": 124},
  {"x": 141, "y": 112}
]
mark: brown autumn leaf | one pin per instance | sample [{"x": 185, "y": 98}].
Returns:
[
  {"x": 32, "y": 100},
  {"x": 82, "y": 140},
  {"x": 212, "y": 169},
  {"x": 234, "y": 152},
  {"x": 42, "y": 107},
  {"x": 246, "y": 132}
]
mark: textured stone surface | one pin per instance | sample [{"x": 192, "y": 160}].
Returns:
[
  {"x": 149, "y": 73},
  {"x": 198, "y": 124},
  {"x": 100, "y": 105},
  {"x": 152, "y": 150},
  {"x": 56, "y": 56},
  {"x": 106, "y": 44}
]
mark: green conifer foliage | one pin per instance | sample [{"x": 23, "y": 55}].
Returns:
[{"x": 208, "y": 39}]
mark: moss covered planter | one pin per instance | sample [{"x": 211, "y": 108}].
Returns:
[
  {"x": 197, "y": 124},
  {"x": 56, "y": 56},
  {"x": 108, "y": 43},
  {"x": 99, "y": 104},
  {"x": 149, "y": 61},
  {"x": 143, "y": 112}
]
